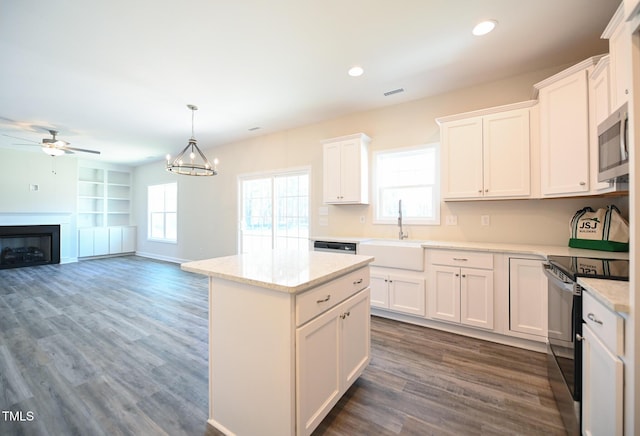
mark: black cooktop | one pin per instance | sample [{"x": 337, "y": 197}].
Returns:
[{"x": 574, "y": 267}]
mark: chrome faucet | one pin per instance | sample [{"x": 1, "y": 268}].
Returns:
[{"x": 401, "y": 235}]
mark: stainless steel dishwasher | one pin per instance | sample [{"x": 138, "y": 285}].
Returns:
[{"x": 335, "y": 247}]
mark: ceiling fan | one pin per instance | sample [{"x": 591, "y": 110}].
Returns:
[{"x": 56, "y": 147}]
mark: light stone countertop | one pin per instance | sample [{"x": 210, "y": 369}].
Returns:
[
  {"x": 290, "y": 271},
  {"x": 614, "y": 294},
  {"x": 516, "y": 248},
  {"x": 497, "y": 247}
]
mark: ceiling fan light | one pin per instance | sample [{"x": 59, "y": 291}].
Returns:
[{"x": 52, "y": 151}]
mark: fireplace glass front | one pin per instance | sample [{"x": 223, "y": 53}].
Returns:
[{"x": 29, "y": 245}]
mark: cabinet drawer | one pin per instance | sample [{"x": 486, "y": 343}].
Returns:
[
  {"x": 315, "y": 301},
  {"x": 469, "y": 259},
  {"x": 606, "y": 324}
]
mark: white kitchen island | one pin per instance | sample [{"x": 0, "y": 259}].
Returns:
[{"x": 289, "y": 332}]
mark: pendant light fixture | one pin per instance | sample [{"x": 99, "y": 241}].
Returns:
[{"x": 191, "y": 161}]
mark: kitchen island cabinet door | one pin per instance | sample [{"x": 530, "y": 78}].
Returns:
[
  {"x": 332, "y": 351},
  {"x": 318, "y": 369},
  {"x": 356, "y": 338}
]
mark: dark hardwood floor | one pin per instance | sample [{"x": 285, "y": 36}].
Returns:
[{"x": 118, "y": 346}]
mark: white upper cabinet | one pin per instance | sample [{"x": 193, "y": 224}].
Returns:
[
  {"x": 487, "y": 154},
  {"x": 506, "y": 154},
  {"x": 345, "y": 171},
  {"x": 462, "y": 159},
  {"x": 564, "y": 131},
  {"x": 620, "y": 54}
]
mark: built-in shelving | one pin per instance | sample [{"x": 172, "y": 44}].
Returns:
[
  {"x": 104, "y": 211},
  {"x": 104, "y": 197}
]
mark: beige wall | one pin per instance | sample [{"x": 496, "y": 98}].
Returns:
[{"x": 208, "y": 207}]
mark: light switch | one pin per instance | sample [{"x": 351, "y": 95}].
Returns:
[
  {"x": 485, "y": 220},
  {"x": 452, "y": 220}
]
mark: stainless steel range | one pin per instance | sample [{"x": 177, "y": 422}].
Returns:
[{"x": 565, "y": 327}]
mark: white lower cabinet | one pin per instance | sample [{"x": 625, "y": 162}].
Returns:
[
  {"x": 461, "y": 287},
  {"x": 462, "y": 295},
  {"x": 398, "y": 290},
  {"x": 101, "y": 241},
  {"x": 93, "y": 241},
  {"x": 602, "y": 370},
  {"x": 332, "y": 351},
  {"x": 527, "y": 297}
]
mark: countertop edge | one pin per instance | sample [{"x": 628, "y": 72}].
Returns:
[
  {"x": 613, "y": 294},
  {"x": 192, "y": 267}
]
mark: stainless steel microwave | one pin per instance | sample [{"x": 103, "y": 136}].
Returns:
[{"x": 613, "y": 146}]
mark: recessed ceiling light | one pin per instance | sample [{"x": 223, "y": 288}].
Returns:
[
  {"x": 484, "y": 27},
  {"x": 356, "y": 71}
]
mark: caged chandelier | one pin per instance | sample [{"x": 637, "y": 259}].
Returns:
[{"x": 191, "y": 161}]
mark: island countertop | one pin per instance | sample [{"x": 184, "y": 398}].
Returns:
[{"x": 290, "y": 271}]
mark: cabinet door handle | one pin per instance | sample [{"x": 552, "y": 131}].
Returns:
[
  {"x": 325, "y": 299},
  {"x": 593, "y": 318},
  {"x": 357, "y": 282},
  {"x": 464, "y": 275},
  {"x": 461, "y": 259},
  {"x": 344, "y": 315},
  {"x": 583, "y": 183},
  {"x": 457, "y": 275},
  {"x": 579, "y": 337}
]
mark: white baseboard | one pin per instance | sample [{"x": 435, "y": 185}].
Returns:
[{"x": 159, "y": 257}]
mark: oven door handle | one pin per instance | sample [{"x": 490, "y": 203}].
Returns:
[{"x": 565, "y": 286}]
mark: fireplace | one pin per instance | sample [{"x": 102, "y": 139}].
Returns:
[{"x": 29, "y": 245}]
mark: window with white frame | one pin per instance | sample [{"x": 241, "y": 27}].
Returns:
[
  {"x": 411, "y": 175},
  {"x": 274, "y": 211},
  {"x": 162, "y": 210}
]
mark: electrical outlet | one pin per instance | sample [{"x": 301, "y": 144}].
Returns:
[
  {"x": 452, "y": 220},
  {"x": 485, "y": 220},
  {"x": 34, "y": 187}
]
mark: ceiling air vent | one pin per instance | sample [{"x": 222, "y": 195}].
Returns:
[{"x": 395, "y": 91}]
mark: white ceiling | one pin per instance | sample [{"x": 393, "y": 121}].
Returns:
[{"x": 117, "y": 75}]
